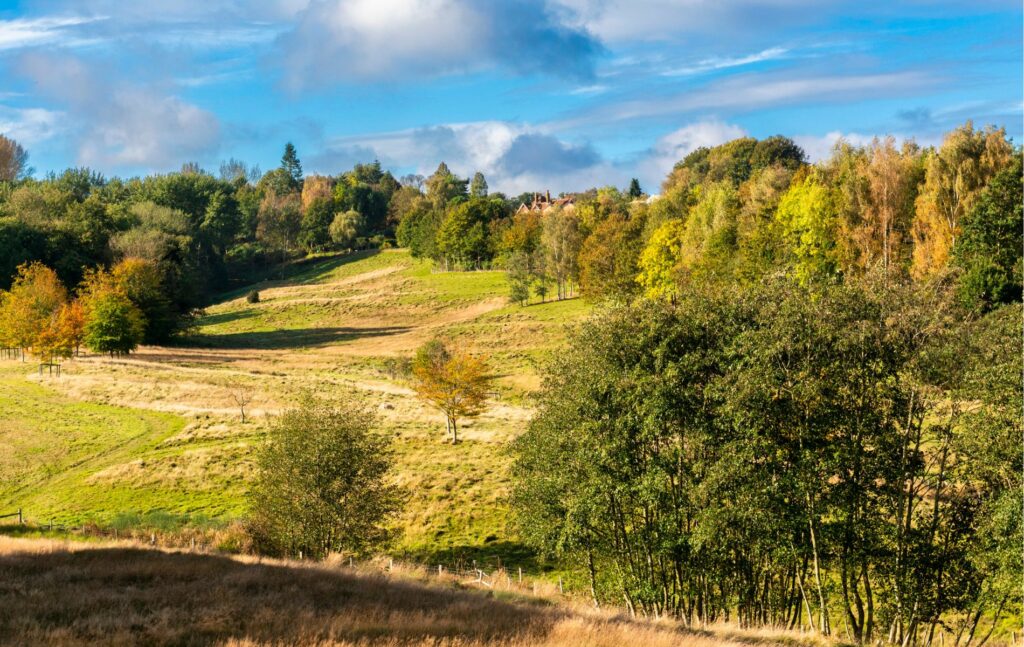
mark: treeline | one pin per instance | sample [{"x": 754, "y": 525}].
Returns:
[
  {"x": 200, "y": 233},
  {"x": 805, "y": 410},
  {"x": 747, "y": 209}
]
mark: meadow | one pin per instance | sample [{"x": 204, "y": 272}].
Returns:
[{"x": 158, "y": 434}]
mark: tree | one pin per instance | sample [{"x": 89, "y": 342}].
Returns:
[
  {"x": 13, "y": 160},
  {"x": 29, "y": 308},
  {"x": 478, "y": 187},
  {"x": 323, "y": 483},
  {"x": 876, "y": 226},
  {"x": 280, "y": 220},
  {"x": 314, "y": 232},
  {"x": 634, "y": 190},
  {"x": 454, "y": 382},
  {"x": 242, "y": 394},
  {"x": 955, "y": 175},
  {"x": 464, "y": 237},
  {"x": 114, "y": 324},
  {"x": 807, "y": 214},
  {"x": 444, "y": 186},
  {"x": 561, "y": 240},
  {"x": 63, "y": 334},
  {"x": 824, "y": 453},
  {"x": 519, "y": 276},
  {"x": 345, "y": 228},
  {"x": 541, "y": 288},
  {"x": 608, "y": 258},
  {"x": 418, "y": 230},
  {"x": 660, "y": 262},
  {"x": 989, "y": 249},
  {"x": 291, "y": 165}
]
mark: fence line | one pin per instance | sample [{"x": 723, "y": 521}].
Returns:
[{"x": 510, "y": 576}]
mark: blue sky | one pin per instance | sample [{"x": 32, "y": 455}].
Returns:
[{"x": 537, "y": 94}]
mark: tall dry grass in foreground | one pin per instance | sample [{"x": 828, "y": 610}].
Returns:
[{"x": 58, "y": 593}]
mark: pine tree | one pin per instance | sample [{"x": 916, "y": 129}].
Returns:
[
  {"x": 291, "y": 164},
  {"x": 634, "y": 189}
]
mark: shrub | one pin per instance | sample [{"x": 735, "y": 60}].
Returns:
[{"x": 323, "y": 484}]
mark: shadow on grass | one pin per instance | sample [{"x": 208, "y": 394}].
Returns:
[
  {"x": 148, "y": 597},
  {"x": 230, "y": 316},
  {"x": 306, "y": 270},
  {"x": 490, "y": 555},
  {"x": 291, "y": 338}
]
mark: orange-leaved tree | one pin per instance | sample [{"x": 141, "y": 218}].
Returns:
[
  {"x": 27, "y": 310},
  {"x": 453, "y": 381}
]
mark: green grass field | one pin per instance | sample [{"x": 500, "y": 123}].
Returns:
[{"x": 159, "y": 434}]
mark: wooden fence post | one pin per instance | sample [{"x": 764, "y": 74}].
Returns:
[
  {"x": 20, "y": 520},
  {"x": 520, "y": 574}
]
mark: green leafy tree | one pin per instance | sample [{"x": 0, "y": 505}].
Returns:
[
  {"x": 418, "y": 231},
  {"x": 323, "y": 483},
  {"x": 464, "y": 237},
  {"x": 478, "y": 187},
  {"x": 519, "y": 277},
  {"x": 345, "y": 228},
  {"x": 989, "y": 248},
  {"x": 113, "y": 324},
  {"x": 444, "y": 186},
  {"x": 314, "y": 231}
]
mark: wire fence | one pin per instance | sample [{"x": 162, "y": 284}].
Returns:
[{"x": 464, "y": 571}]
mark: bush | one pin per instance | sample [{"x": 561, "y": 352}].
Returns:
[
  {"x": 253, "y": 296},
  {"x": 323, "y": 484}
]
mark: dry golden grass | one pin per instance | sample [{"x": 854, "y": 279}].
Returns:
[{"x": 58, "y": 593}]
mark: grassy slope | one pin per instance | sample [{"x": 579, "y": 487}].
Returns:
[{"x": 160, "y": 430}]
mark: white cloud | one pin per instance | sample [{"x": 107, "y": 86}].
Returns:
[
  {"x": 29, "y": 125},
  {"x": 515, "y": 157},
  {"x": 676, "y": 145},
  {"x": 721, "y": 63},
  {"x": 751, "y": 92},
  {"x": 119, "y": 124},
  {"x": 630, "y": 20},
  {"x": 373, "y": 40},
  {"x": 25, "y": 32}
]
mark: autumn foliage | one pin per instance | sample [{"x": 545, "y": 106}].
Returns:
[
  {"x": 38, "y": 315},
  {"x": 454, "y": 382}
]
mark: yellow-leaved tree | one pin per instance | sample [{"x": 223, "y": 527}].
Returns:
[
  {"x": 454, "y": 382},
  {"x": 954, "y": 176},
  {"x": 660, "y": 261}
]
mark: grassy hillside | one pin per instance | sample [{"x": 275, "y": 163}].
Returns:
[
  {"x": 123, "y": 594},
  {"x": 160, "y": 431}
]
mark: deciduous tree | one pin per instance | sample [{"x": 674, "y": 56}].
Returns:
[{"x": 453, "y": 381}]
